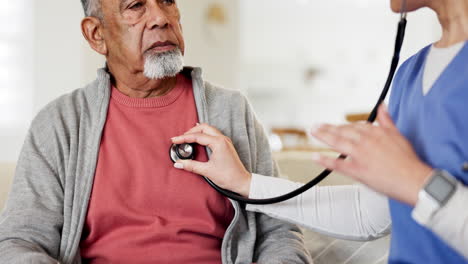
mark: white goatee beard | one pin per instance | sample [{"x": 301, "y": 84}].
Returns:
[{"x": 163, "y": 65}]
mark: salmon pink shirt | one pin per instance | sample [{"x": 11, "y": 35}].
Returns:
[{"x": 142, "y": 209}]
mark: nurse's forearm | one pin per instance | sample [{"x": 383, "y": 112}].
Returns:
[
  {"x": 451, "y": 221},
  {"x": 348, "y": 212}
]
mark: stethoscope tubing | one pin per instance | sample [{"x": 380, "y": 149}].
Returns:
[{"x": 393, "y": 67}]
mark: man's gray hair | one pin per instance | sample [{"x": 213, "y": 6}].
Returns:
[{"x": 92, "y": 8}]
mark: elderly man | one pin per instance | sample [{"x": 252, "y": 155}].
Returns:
[{"x": 94, "y": 181}]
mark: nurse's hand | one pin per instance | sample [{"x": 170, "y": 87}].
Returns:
[
  {"x": 224, "y": 167},
  {"x": 378, "y": 156}
]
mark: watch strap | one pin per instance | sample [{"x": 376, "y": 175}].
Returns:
[
  {"x": 424, "y": 209},
  {"x": 427, "y": 205}
]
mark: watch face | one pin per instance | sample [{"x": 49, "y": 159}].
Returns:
[{"x": 440, "y": 188}]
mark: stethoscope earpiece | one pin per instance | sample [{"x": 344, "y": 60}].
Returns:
[{"x": 184, "y": 151}]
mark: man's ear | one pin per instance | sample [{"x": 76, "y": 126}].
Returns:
[{"x": 91, "y": 27}]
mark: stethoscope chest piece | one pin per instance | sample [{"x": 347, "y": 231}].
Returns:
[{"x": 182, "y": 152}]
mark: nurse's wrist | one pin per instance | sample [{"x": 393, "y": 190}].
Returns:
[{"x": 418, "y": 179}]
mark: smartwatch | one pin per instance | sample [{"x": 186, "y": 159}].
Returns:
[{"x": 437, "y": 191}]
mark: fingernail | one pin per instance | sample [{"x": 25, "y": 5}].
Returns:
[
  {"x": 315, "y": 156},
  {"x": 198, "y": 124},
  {"x": 178, "y": 165},
  {"x": 174, "y": 138}
]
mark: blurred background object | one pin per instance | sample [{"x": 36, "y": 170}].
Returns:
[
  {"x": 357, "y": 117},
  {"x": 300, "y": 62},
  {"x": 291, "y": 138},
  {"x": 216, "y": 13}
]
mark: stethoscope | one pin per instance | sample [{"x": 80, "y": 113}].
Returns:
[{"x": 187, "y": 151}]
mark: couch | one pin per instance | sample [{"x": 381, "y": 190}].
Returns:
[{"x": 6, "y": 177}]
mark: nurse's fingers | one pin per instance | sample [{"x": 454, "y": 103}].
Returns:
[
  {"x": 344, "y": 166},
  {"x": 200, "y": 138},
  {"x": 205, "y": 129},
  {"x": 343, "y": 140},
  {"x": 354, "y": 132},
  {"x": 192, "y": 166}
]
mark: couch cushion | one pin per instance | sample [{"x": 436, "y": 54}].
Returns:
[{"x": 7, "y": 170}]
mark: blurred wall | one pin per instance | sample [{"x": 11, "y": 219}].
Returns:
[
  {"x": 213, "y": 46},
  {"x": 346, "y": 45},
  {"x": 16, "y": 74},
  {"x": 55, "y": 60},
  {"x": 63, "y": 59}
]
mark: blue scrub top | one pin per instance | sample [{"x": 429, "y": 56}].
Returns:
[{"x": 437, "y": 126}]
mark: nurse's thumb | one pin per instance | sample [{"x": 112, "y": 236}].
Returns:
[
  {"x": 192, "y": 166},
  {"x": 384, "y": 118}
]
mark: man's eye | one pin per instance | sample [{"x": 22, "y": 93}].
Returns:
[
  {"x": 168, "y": 2},
  {"x": 136, "y": 6}
]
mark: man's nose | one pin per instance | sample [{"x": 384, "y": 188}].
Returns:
[{"x": 158, "y": 17}]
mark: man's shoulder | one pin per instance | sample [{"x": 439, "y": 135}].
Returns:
[
  {"x": 66, "y": 111},
  {"x": 217, "y": 95},
  {"x": 213, "y": 93},
  {"x": 71, "y": 101},
  {"x": 219, "y": 91}
]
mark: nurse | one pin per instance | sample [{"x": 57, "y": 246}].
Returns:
[{"x": 417, "y": 157}]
